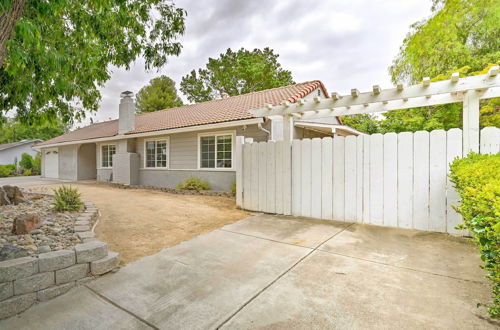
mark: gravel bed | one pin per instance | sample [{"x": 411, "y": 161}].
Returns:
[{"x": 56, "y": 231}]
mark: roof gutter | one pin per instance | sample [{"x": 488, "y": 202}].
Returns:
[{"x": 155, "y": 133}]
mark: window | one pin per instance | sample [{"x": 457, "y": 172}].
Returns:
[
  {"x": 216, "y": 151},
  {"x": 107, "y": 152},
  {"x": 156, "y": 153}
]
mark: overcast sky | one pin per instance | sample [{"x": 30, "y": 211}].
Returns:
[{"x": 345, "y": 44}]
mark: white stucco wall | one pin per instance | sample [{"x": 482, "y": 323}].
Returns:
[{"x": 9, "y": 156}]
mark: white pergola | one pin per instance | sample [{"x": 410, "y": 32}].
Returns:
[{"x": 469, "y": 91}]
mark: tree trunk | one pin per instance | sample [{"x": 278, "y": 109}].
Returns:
[{"x": 7, "y": 21}]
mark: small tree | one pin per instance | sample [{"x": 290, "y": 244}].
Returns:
[
  {"x": 159, "y": 94},
  {"x": 26, "y": 162}
]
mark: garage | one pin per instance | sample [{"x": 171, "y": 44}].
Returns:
[{"x": 51, "y": 163}]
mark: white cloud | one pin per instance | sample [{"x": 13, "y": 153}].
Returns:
[{"x": 345, "y": 44}]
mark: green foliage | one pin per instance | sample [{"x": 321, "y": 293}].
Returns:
[
  {"x": 6, "y": 170},
  {"x": 236, "y": 73},
  {"x": 159, "y": 94},
  {"x": 458, "y": 33},
  {"x": 233, "y": 188},
  {"x": 67, "y": 199},
  {"x": 366, "y": 123},
  {"x": 194, "y": 184},
  {"x": 37, "y": 165},
  {"x": 62, "y": 51},
  {"x": 27, "y": 172},
  {"x": 13, "y": 131},
  {"x": 478, "y": 184},
  {"x": 26, "y": 161}
]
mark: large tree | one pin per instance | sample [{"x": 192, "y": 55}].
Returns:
[
  {"x": 236, "y": 73},
  {"x": 458, "y": 33},
  {"x": 159, "y": 94},
  {"x": 55, "y": 54}
]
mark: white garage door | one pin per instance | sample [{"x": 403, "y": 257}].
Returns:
[{"x": 51, "y": 163}]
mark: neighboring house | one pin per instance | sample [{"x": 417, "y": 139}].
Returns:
[
  {"x": 10, "y": 153},
  {"x": 166, "y": 147}
]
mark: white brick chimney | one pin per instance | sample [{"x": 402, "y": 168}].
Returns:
[{"x": 126, "y": 119}]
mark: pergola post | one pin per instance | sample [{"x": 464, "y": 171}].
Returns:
[
  {"x": 470, "y": 122},
  {"x": 287, "y": 128}
]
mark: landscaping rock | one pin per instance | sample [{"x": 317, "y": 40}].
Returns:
[
  {"x": 44, "y": 249},
  {"x": 18, "y": 268},
  {"x": 10, "y": 195},
  {"x": 25, "y": 223},
  {"x": 72, "y": 273},
  {"x": 105, "y": 264},
  {"x": 6, "y": 290},
  {"x": 86, "y": 234},
  {"x": 12, "y": 252},
  {"x": 55, "y": 291},
  {"x": 34, "y": 283},
  {"x": 91, "y": 251},
  {"x": 16, "y": 305},
  {"x": 82, "y": 228},
  {"x": 56, "y": 260}
]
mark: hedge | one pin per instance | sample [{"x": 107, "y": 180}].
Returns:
[{"x": 477, "y": 180}]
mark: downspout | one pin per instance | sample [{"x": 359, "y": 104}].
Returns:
[{"x": 259, "y": 125}]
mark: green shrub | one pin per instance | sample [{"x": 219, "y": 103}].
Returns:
[
  {"x": 37, "y": 165},
  {"x": 27, "y": 172},
  {"x": 5, "y": 171},
  {"x": 194, "y": 184},
  {"x": 26, "y": 161},
  {"x": 67, "y": 199},
  {"x": 12, "y": 167},
  {"x": 477, "y": 180},
  {"x": 233, "y": 188}
]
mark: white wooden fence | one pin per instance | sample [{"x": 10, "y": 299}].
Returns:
[{"x": 395, "y": 180}]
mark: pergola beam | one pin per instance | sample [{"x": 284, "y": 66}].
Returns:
[{"x": 427, "y": 89}]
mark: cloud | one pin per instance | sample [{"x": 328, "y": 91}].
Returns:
[{"x": 346, "y": 44}]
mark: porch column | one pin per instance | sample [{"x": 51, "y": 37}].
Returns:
[
  {"x": 470, "y": 122},
  {"x": 287, "y": 128}
]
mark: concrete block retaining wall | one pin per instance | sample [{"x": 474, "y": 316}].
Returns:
[{"x": 25, "y": 281}]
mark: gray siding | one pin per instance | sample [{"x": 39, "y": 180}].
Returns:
[
  {"x": 183, "y": 153},
  {"x": 104, "y": 174},
  {"x": 218, "y": 180},
  {"x": 87, "y": 162}
]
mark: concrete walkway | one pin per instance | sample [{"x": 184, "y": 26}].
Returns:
[{"x": 286, "y": 273}]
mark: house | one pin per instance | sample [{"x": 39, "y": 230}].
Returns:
[
  {"x": 166, "y": 147},
  {"x": 10, "y": 153}
]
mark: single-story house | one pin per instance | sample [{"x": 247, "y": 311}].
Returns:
[
  {"x": 11, "y": 153},
  {"x": 166, "y": 147}
]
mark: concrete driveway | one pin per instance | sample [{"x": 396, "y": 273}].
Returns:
[
  {"x": 286, "y": 273},
  {"x": 23, "y": 181}
]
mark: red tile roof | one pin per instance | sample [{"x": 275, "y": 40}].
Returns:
[{"x": 210, "y": 112}]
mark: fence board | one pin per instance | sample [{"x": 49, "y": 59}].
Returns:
[
  {"x": 262, "y": 176},
  {"x": 239, "y": 170},
  {"x": 421, "y": 180},
  {"x": 247, "y": 176},
  {"x": 279, "y": 176},
  {"x": 366, "y": 179},
  {"x": 490, "y": 140},
  {"x": 326, "y": 178},
  {"x": 254, "y": 190},
  {"x": 376, "y": 179},
  {"x": 350, "y": 178},
  {"x": 453, "y": 150},
  {"x": 271, "y": 177},
  {"x": 287, "y": 178},
  {"x": 338, "y": 178},
  {"x": 306, "y": 177},
  {"x": 437, "y": 181},
  {"x": 316, "y": 178},
  {"x": 390, "y": 180},
  {"x": 359, "y": 178},
  {"x": 296, "y": 178},
  {"x": 405, "y": 179}
]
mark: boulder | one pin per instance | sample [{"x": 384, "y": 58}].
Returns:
[
  {"x": 25, "y": 223},
  {"x": 12, "y": 252},
  {"x": 10, "y": 195}
]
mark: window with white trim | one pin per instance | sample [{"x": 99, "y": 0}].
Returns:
[
  {"x": 216, "y": 151},
  {"x": 156, "y": 153},
  {"x": 107, "y": 152}
]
